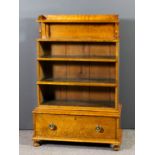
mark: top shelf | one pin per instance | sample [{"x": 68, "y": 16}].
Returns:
[
  {"x": 77, "y": 40},
  {"x": 74, "y": 18}
]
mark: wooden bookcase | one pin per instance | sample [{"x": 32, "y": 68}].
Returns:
[{"x": 78, "y": 79}]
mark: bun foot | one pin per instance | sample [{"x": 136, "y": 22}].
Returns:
[
  {"x": 36, "y": 143},
  {"x": 116, "y": 147}
]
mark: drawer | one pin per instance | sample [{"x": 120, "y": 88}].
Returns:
[{"x": 78, "y": 127}]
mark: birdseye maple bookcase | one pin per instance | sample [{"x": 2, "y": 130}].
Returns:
[{"x": 78, "y": 80}]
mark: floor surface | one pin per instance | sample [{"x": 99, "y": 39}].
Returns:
[{"x": 60, "y": 148}]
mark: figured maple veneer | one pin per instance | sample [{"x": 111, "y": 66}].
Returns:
[
  {"x": 78, "y": 79},
  {"x": 56, "y": 125},
  {"x": 99, "y": 18},
  {"x": 83, "y": 127},
  {"x": 87, "y": 32}
]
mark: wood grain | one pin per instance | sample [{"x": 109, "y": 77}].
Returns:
[
  {"x": 75, "y": 126},
  {"x": 78, "y": 79},
  {"x": 78, "y": 18}
]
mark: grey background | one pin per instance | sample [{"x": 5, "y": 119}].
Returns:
[{"x": 29, "y": 11}]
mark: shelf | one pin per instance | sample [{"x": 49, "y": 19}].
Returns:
[
  {"x": 79, "y": 103},
  {"x": 78, "y": 58},
  {"x": 75, "y": 40},
  {"x": 78, "y": 82},
  {"x": 78, "y": 18}
]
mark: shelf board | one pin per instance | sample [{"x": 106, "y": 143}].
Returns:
[
  {"x": 75, "y": 18},
  {"x": 78, "y": 82},
  {"x": 78, "y": 58},
  {"x": 75, "y": 40},
  {"x": 103, "y": 104}
]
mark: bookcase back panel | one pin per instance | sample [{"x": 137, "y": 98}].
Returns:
[
  {"x": 102, "y": 70},
  {"x": 75, "y": 71},
  {"x": 85, "y": 96},
  {"x": 81, "y": 31},
  {"x": 48, "y": 49}
]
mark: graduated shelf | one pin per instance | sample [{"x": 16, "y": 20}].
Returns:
[
  {"x": 78, "y": 82},
  {"x": 75, "y": 40},
  {"x": 78, "y": 58},
  {"x": 109, "y": 104}
]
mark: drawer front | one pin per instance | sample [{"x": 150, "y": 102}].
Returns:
[{"x": 65, "y": 126}]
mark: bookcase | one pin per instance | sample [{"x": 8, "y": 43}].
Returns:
[{"x": 78, "y": 80}]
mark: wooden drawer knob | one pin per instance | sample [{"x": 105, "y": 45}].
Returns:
[
  {"x": 99, "y": 129},
  {"x": 52, "y": 126}
]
